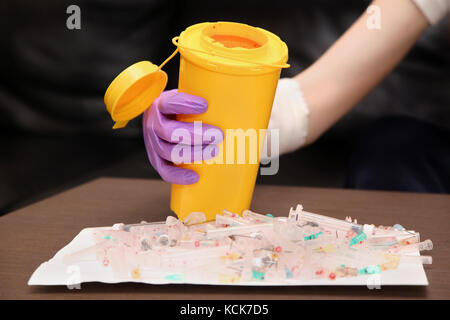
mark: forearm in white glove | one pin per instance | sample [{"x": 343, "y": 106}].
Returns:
[{"x": 289, "y": 116}]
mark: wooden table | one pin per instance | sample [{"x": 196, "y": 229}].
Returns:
[{"x": 34, "y": 234}]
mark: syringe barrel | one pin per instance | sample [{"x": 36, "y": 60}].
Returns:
[
  {"x": 330, "y": 222},
  {"x": 417, "y": 259},
  {"x": 239, "y": 230}
]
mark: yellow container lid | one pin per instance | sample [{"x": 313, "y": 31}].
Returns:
[{"x": 133, "y": 91}]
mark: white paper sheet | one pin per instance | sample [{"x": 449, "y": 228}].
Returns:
[{"x": 55, "y": 272}]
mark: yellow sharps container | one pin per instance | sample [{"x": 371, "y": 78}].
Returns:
[{"x": 236, "y": 68}]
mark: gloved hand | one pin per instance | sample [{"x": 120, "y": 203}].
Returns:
[{"x": 160, "y": 139}]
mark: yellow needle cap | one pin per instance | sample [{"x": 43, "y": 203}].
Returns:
[{"x": 133, "y": 91}]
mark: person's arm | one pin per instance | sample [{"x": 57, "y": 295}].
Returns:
[
  {"x": 307, "y": 105},
  {"x": 357, "y": 62}
]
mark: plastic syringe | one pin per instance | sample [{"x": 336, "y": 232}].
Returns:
[
  {"x": 342, "y": 225},
  {"x": 415, "y": 247},
  {"x": 238, "y": 230},
  {"x": 329, "y": 222},
  {"x": 368, "y": 258}
]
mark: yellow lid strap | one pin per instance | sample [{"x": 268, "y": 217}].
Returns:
[{"x": 168, "y": 59}]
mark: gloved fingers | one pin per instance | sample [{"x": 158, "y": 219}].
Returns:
[
  {"x": 174, "y": 102},
  {"x": 188, "y": 133},
  {"x": 166, "y": 170},
  {"x": 178, "y": 153},
  {"x": 178, "y": 175}
]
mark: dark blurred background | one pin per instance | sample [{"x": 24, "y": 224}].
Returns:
[{"x": 56, "y": 133}]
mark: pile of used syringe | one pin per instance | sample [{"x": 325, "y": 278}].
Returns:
[{"x": 255, "y": 247}]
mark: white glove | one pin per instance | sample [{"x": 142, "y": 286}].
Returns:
[
  {"x": 433, "y": 10},
  {"x": 290, "y": 116}
]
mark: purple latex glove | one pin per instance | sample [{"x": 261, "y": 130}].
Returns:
[{"x": 161, "y": 135}]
